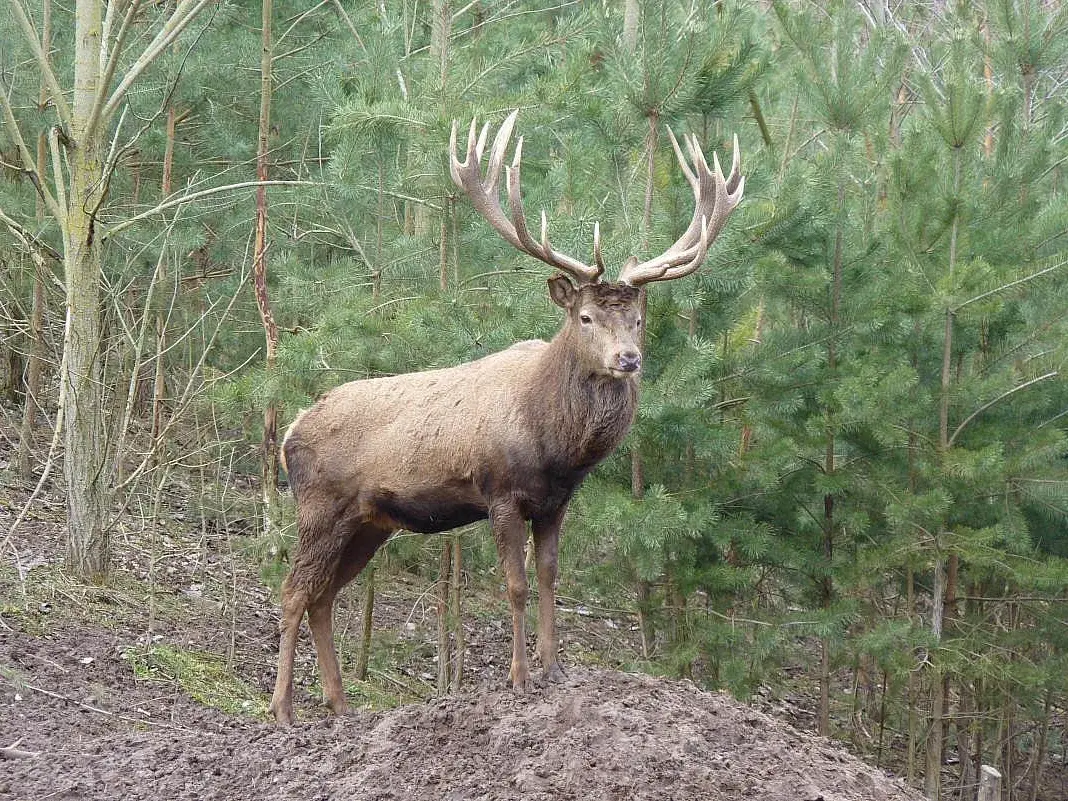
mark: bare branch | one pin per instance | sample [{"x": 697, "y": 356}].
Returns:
[
  {"x": 42, "y": 62},
  {"x": 348, "y": 22},
  {"x": 27, "y": 157},
  {"x": 139, "y": 344},
  {"x": 182, "y": 401},
  {"x": 57, "y": 178},
  {"x": 11, "y": 752},
  {"x": 998, "y": 399},
  {"x": 184, "y": 14},
  {"x": 1011, "y": 284},
  {"x": 57, "y": 432},
  {"x": 178, "y": 201},
  {"x": 112, "y": 62},
  {"x": 298, "y": 20},
  {"x": 28, "y": 238}
]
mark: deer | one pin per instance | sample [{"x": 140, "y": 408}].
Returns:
[{"x": 508, "y": 437}]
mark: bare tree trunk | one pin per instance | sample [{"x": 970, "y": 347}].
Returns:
[
  {"x": 367, "y": 618},
  {"x": 159, "y": 385},
  {"x": 88, "y": 485},
  {"x": 444, "y": 643},
  {"x": 829, "y": 467},
  {"x": 933, "y": 771},
  {"x": 989, "y": 784},
  {"x": 632, "y": 20},
  {"x": 1043, "y": 741},
  {"x": 269, "y": 456},
  {"x": 456, "y": 612},
  {"x": 645, "y": 620},
  {"x": 376, "y": 270},
  {"x": 913, "y": 693},
  {"x": 440, "y": 30},
  {"x": 933, "y": 777},
  {"x": 32, "y": 401}
]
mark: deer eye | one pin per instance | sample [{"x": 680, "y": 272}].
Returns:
[
  {"x": 638, "y": 323},
  {"x": 585, "y": 319}
]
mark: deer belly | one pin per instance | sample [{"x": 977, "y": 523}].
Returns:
[{"x": 429, "y": 511}]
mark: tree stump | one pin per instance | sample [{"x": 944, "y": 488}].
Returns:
[{"x": 989, "y": 784}]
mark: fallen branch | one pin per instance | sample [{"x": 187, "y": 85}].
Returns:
[{"x": 13, "y": 752}]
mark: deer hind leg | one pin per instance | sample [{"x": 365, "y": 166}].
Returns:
[
  {"x": 294, "y": 602},
  {"x": 318, "y": 550},
  {"x": 360, "y": 547},
  {"x": 510, "y": 531}
]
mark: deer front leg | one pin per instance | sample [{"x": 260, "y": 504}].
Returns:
[
  {"x": 546, "y": 542},
  {"x": 509, "y": 530}
]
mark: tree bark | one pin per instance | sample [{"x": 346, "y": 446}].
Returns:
[
  {"x": 88, "y": 485},
  {"x": 269, "y": 454},
  {"x": 456, "y": 612},
  {"x": 159, "y": 385},
  {"x": 444, "y": 643},
  {"x": 829, "y": 467},
  {"x": 32, "y": 401},
  {"x": 364, "y": 654},
  {"x": 632, "y": 20}
]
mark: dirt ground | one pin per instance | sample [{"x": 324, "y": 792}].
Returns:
[
  {"x": 92, "y": 717},
  {"x": 102, "y": 734}
]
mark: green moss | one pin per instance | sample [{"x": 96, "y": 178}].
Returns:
[
  {"x": 204, "y": 677},
  {"x": 369, "y": 695}
]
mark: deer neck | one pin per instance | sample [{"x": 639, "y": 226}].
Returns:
[{"x": 585, "y": 415}]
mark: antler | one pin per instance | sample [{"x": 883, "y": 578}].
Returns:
[
  {"x": 485, "y": 197},
  {"x": 715, "y": 197}
]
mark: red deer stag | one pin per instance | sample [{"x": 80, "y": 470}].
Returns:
[{"x": 508, "y": 437}]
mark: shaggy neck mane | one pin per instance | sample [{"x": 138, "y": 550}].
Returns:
[{"x": 581, "y": 416}]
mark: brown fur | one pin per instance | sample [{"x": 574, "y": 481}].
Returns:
[{"x": 508, "y": 437}]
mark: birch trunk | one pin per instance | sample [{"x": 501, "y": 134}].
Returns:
[{"x": 88, "y": 485}]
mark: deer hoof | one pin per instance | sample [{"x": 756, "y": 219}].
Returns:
[
  {"x": 521, "y": 683},
  {"x": 282, "y": 713},
  {"x": 339, "y": 708},
  {"x": 555, "y": 674}
]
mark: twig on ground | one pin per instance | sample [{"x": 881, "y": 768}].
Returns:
[
  {"x": 14, "y": 752},
  {"x": 98, "y": 710}
]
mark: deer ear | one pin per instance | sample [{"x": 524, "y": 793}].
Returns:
[{"x": 562, "y": 291}]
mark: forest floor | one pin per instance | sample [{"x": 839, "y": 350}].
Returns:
[{"x": 155, "y": 687}]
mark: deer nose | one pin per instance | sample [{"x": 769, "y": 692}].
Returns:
[{"x": 630, "y": 361}]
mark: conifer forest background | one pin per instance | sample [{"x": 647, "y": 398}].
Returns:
[{"x": 848, "y": 477}]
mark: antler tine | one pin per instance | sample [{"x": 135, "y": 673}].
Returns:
[
  {"x": 598, "y": 259},
  {"x": 690, "y": 177},
  {"x": 736, "y": 163},
  {"x": 715, "y": 197},
  {"x": 485, "y": 197},
  {"x": 582, "y": 272},
  {"x": 500, "y": 144}
]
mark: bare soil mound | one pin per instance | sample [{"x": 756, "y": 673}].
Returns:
[{"x": 102, "y": 734}]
